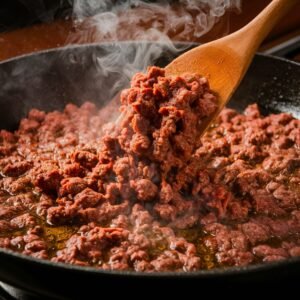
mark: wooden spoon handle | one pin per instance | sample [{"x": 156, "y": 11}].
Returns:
[{"x": 251, "y": 36}]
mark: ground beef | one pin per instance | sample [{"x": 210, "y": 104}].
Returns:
[{"x": 145, "y": 192}]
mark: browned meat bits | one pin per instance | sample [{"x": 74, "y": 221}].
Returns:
[{"x": 144, "y": 192}]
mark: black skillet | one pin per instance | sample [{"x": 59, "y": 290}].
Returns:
[{"x": 48, "y": 80}]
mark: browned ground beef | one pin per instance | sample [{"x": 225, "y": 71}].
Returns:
[{"x": 145, "y": 193}]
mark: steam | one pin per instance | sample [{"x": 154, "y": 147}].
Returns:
[
  {"x": 136, "y": 19},
  {"x": 162, "y": 22},
  {"x": 99, "y": 73}
]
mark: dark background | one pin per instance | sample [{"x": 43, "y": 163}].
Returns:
[{"x": 19, "y": 13}]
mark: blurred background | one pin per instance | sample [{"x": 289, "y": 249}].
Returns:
[{"x": 33, "y": 25}]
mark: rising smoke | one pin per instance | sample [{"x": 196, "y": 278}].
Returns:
[
  {"x": 137, "y": 19},
  {"x": 161, "y": 22},
  {"x": 109, "y": 68}
]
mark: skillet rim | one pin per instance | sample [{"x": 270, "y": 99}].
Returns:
[
  {"x": 189, "y": 45},
  {"x": 218, "y": 272}
]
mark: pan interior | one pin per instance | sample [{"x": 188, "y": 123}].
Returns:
[{"x": 51, "y": 79}]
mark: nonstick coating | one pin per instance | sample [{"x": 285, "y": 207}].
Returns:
[{"x": 49, "y": 80}]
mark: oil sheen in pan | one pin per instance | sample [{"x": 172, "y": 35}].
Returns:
[{"x": 18, "y": 97}]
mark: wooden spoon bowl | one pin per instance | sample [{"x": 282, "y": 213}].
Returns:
[{"x": 225, "y": 61}]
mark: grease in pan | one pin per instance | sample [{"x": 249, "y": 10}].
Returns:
[{"x": 154, "y": 197}]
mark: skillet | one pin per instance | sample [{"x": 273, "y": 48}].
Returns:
[{"x": 49, "y": 80}]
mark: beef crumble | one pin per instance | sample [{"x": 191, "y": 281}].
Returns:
[{"x": 145, "y": 192}]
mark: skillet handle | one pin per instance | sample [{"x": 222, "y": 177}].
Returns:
[{"x": 288, "y": 49}]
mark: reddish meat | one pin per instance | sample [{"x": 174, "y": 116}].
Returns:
[
  {"x": 16, "y": 169},
  {"x": 49, "y": 181},
  {"x": 72, "y": 186},
  {"x": 145, "y": 192}
]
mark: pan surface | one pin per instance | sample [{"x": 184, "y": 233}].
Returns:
[{"x": 51, "y": 79}]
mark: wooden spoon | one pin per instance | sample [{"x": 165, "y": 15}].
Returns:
[{"x": 225, "y": 61}]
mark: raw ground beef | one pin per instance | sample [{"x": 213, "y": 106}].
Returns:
[{"x": 145, "y": 192}]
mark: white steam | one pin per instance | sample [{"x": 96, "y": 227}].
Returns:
[
  {"x": 130, "y": 19},
  {"x": 162, "y": 22}
]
